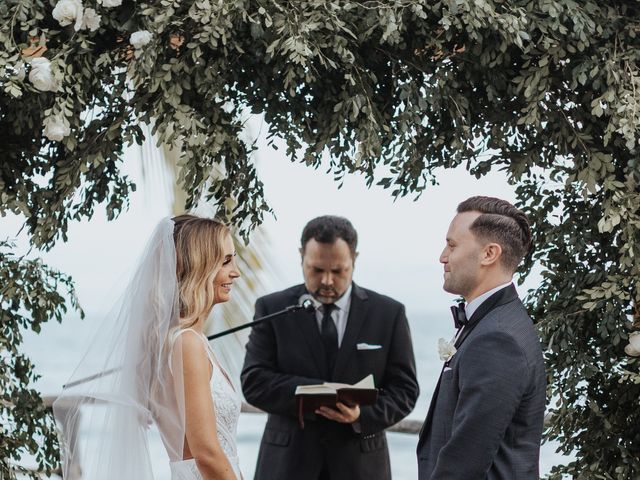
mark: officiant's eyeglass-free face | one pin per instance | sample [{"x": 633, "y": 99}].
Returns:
[
  {"x": 327, "y": 269},
  {"x": 223, "y": 281}
]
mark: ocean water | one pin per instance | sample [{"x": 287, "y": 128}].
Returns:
[{"x": 57, "y": 349}]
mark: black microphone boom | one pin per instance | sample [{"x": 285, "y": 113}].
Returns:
[{"x": 304, "y": 303}]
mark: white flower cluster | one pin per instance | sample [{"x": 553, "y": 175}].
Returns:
[
  {"x": 67, "y": 12},
  {"x": 56, "y": 127},
  {"x": 90, "y": 20},
  {"x": 72, "y": 12},
  {"x": 633, "y": 348},
  {"x": 41, "y": 75},
  {"x": 140, "y": 38}
]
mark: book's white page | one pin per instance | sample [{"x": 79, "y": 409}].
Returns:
[
  {"x": 366, "y": 382},
  {"x": 315, "y": 389},
  {"x": 330, "y": 388}
]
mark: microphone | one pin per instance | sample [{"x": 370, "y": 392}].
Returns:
[{"x": 305, "y": 302}]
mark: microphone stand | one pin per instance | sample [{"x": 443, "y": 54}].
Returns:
[{"x": 306, "y": 305}]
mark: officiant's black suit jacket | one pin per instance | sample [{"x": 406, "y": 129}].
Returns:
[
  {"x": 286, "y": 352},
  {"x": 486, "y": 415}
]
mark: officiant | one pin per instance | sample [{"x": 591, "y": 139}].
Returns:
[{"x": 352, "y": 333}]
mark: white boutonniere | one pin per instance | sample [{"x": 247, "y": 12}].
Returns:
[{"x": 446, "y": 350}]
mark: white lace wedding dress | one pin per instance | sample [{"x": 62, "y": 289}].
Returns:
[{"x": 227, "y": 404}]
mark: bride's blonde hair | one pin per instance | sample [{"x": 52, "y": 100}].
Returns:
[{"x": 199, "y": 256}]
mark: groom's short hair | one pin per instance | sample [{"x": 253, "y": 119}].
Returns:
[{"x": 502, "y": 223}]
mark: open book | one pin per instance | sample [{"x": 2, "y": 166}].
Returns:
[{"x": 311, "y": 397}]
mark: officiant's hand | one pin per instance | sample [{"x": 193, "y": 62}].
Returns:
[{"x": 344, "y": 413}]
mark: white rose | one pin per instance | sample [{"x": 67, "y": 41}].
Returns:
[
  {"x": 111, "y": 3},
  {"x": 67, "y": 12},
  {"x": 140, "y": 38},
  {"x": 90, "y": 19},
  {"x": 633, "y": 349},
  {"x": 41, "y": 75},
  {"x": 56, "y": 127},
  {"x": 446, "y": 350}
]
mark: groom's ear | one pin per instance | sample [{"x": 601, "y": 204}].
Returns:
[{"x": 491, "y": 254}]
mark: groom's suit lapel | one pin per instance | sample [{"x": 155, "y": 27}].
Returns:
[
  {"x": 501, "y": 297},
  {"x": 356, "y": 318}
]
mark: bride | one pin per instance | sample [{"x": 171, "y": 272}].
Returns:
[{"x": 152, "y": 364}]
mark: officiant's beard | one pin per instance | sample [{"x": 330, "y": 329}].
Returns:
[{"x": 333, "y": 297}]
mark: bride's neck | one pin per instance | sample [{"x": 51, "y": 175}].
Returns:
[{"x": 198, "y": 326}]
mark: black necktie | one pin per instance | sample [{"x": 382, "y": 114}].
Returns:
[
  {"x": 329, "y": 335},
  {"x": 459, "y": 315}
]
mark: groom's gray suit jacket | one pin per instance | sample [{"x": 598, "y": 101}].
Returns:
[{"x": 486, "y": 415}]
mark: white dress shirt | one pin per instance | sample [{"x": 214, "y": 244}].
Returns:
[
  {"x": 471, "y": 307},
  {"x": 339, "y": 315}
]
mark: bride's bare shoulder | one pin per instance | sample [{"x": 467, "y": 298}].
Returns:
[{"x": 193, "y": 350}]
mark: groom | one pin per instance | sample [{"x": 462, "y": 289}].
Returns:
[{"x": 486, "y": 414}]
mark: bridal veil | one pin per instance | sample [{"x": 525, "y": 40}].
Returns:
[{"x": 129, "y": 377}]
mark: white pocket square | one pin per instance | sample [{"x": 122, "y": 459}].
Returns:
[
  {"x": 446, "y": 369},
  {"x": 368, "y": 346}
]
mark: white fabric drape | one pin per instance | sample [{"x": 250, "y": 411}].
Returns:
[{"x": 124, "y": 381}]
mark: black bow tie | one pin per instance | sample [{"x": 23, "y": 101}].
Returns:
[{"x": 459, "y": 315}]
